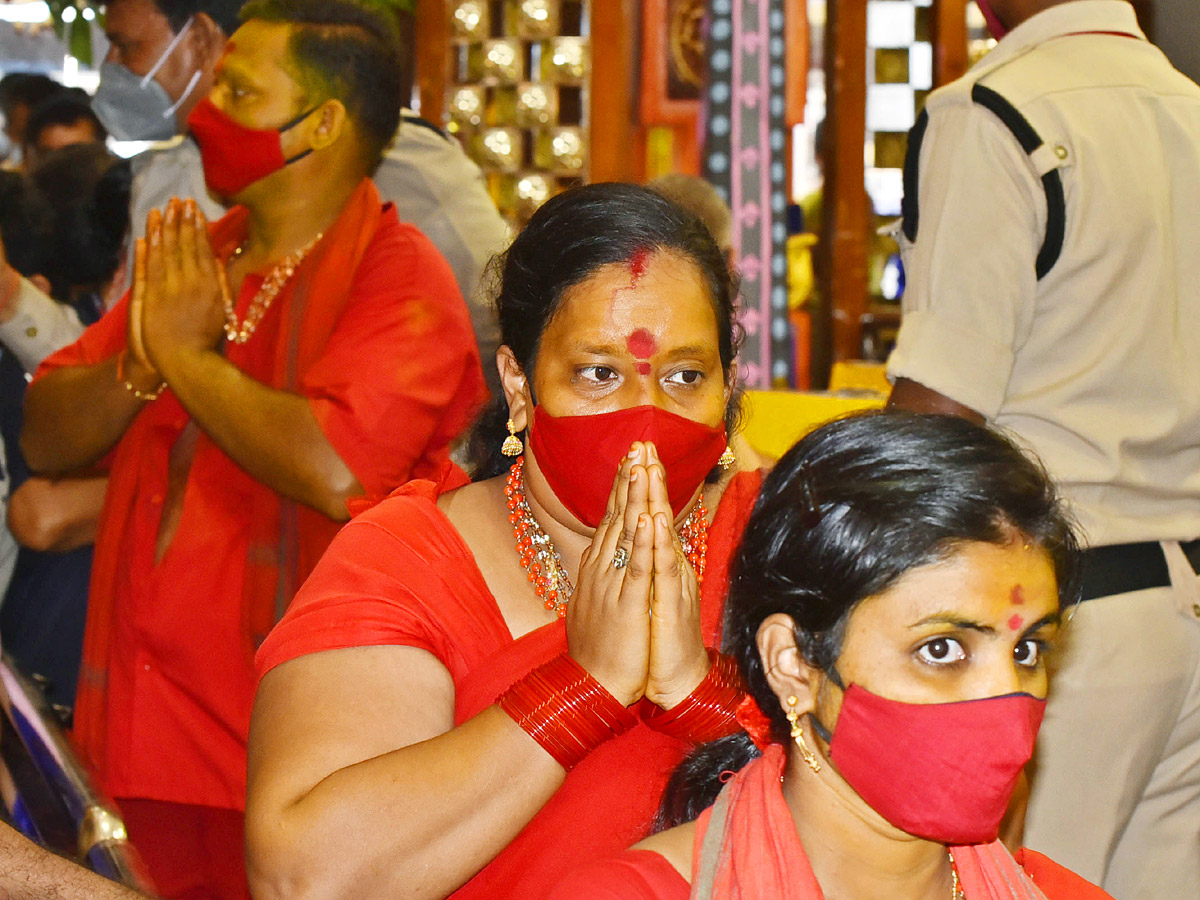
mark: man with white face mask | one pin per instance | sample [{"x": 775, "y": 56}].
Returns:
[
  {"x": 1054, "y": 290},
  {"x": 159, "y": 64}
]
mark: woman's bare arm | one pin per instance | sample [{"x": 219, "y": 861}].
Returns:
[{"x": 360, "y": 787}]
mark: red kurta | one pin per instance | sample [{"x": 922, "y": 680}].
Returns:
[
  {"x": 400, "y": 574},
  {"x": 391, "y": 384}
]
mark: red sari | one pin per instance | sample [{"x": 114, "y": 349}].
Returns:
[
  {"x": 400, "y": 574},
  {"x": 758, "y": 854}
]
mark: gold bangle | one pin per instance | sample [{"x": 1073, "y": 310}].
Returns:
[{"x": 129, "y": 386}]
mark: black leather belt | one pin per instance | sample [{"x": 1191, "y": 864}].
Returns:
[{"x": 1124, "y": 568}]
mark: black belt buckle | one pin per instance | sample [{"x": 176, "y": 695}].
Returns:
[{"x": 1125, "y": 568}]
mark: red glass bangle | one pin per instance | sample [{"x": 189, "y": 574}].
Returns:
[
  {"x": 708, "y": 712},
  {"x": 567, "y": 711}
]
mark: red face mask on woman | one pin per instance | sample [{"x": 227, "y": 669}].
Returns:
[
  {"x": 941, "y": 771},
  {"x": 580, "y": 455},
  {"x": 235, "y": 156}
]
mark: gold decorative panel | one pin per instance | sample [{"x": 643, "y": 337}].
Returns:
[
  {"x": 891, "y": 65},
  {"x": 890, "y": 147},
  {"x": 517, "y": 95}
]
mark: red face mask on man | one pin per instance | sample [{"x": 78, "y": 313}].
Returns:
[
  {"x": 941, "y": 771},
  {"x": 235, "y": 156},
  {"x": 580, "y": 455}
]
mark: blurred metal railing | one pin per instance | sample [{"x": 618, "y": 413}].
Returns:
[{"x": 46, "y": 792}]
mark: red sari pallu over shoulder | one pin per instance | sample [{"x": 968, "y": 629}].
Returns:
[{"x": 757, "y": 854}]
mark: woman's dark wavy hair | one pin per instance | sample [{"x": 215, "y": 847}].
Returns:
[
  {"x": 567, "y": 240},
  {"x": 846, "y": 512}
]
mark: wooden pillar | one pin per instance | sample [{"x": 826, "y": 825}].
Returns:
[
  {"x": 433, "y": 50},
  {"x": 796, "y": 67},
  {"x": 613, "y": 114},
  {"x": 844, "y": 273},
  {"x": 796, "y": 97},
  {"x": 949, "y": 37}
]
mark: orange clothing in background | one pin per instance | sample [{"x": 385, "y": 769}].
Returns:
[{"x": 383, "y": 350}]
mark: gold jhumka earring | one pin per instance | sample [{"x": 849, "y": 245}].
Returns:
[
  {"x": 512, "y": 445},
  {"x": 727, "y": 458},
  {"x": 793, "y": 718}
]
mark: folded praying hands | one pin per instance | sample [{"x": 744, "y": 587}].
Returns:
[
  {"x": 634, "y": 622},
  {"x": 179, "y": 291}
]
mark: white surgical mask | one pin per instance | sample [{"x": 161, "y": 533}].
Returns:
[{"x": 136, "y": 107}]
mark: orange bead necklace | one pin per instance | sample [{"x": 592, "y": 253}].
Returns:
[{"x": 544, "y": 566}]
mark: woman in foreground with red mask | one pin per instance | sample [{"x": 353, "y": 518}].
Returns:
[
  {"x": 481, "y": 687},
  {"x": 897, "y": 588}
]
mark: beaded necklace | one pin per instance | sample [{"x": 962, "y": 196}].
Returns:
[
  {"x": 544, "y": 566},
  {"x": 280, "y": 275}
]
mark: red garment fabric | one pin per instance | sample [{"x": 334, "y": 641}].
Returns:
[
  {"x": 762, "y": 857},
  {"x": 400, "y": 574},
  {"x": 1055, "y": 881},
  {"x": 632, "y": 875},
  {"x": 192, "y": 852},
  {"x": 389, "y": 367}
]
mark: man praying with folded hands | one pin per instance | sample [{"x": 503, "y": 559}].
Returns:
[{"x": 306, "y": 348}]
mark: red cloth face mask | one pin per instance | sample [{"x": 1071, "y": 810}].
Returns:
[
  {"x": 941, "y": 771},
  {"x": 580, "y": 455},
  {"x": 235, "y": 156},
  {"x": 994, "y": 25}
]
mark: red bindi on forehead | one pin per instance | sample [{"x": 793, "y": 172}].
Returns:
[
  {"x": 638, "y": 263},
  {"x": 1015, "y": 622},
  {"x": 1017, "y": 595},
  {"x": 641, "y": 344},
  {"x": 643, "y": 368}
]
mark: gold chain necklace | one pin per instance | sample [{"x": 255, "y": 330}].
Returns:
[{"x": 272, "y": 284}]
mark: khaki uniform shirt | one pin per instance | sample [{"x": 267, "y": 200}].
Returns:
[{"x": 1095, "y": 366}]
